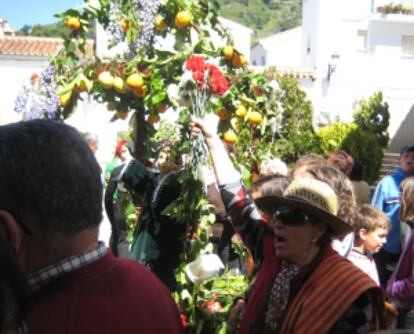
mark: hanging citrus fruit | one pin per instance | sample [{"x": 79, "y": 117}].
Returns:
[
  {"x": 135, "y": 81},
  {"x": 254, "y": 117},
  {"x": 73, "y": 23},
  {"x": 162, "y": 107},
  {"x": 111, "y": 106},
  {"x": 65, "y": 99},
  {"x": 122, "y": 114},
  {"x": 152, "y": 119},
  {"x": 124, "y": 25},
  {"x": 183, "y": 19},
  {"x": 106, "y": 79},
  {"x": 141, "y": 91},
  {"x": 160, "y": 22},
  {"x": 222, "y": 114},
  {"x": 239, "y": 60},
  {"x": 228, "y": 52},
  {"x": 119, "y": 85},
  {"x": 241, "y": 110},
  {"x": 230, "y": 137}
]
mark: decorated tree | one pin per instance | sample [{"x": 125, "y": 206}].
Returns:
[{"x": 176, "y": 56}]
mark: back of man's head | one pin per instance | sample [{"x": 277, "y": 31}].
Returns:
[{"x": 49, "y": 177}]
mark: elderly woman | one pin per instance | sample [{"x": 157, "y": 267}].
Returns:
[{"x": 308, "y": 287}]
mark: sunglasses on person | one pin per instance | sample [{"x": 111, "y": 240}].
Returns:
[{"x": 291, "y": 217}]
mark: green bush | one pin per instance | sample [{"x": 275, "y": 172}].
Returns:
[
  {"x": 373, "y": 115},
  {"x": 361, "y": 144},
  {"x": 296, "y": 136},
  {"x": 332, "y": 136},
  {"x": 364, "y": 147}
]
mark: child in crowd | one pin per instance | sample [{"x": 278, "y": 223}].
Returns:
[{"x": 371, "y": 227}]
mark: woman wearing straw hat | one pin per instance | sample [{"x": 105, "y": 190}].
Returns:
[{"x": 308, "y": 288}]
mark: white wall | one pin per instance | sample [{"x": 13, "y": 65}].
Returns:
[
  {"x": 14, "y": 72},
  {"x": 275, "y": 51}
]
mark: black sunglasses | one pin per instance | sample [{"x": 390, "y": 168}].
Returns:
[{"x": 291, "y": 217}]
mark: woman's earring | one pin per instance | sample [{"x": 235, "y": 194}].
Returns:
[{"x": 314, "y": 240}]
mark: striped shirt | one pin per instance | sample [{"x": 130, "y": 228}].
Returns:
[{"x": 57, "y": 269}]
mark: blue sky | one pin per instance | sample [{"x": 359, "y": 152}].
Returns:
[{"x": 31, "y": 12}]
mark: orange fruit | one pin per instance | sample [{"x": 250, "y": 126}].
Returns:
[
  {"x": 65, "y": 99},
  {"x": 119, "y": 85},
  {"x": 135, "y": 81},
  {"x": 222, "y": 114},
  {"x": 254, "y": 117},
  {"x": 239, "y": 60},
  {"x": 230, "y": 137},
  {"x": 162, "y": 107},
  {"x": 122, "y": 114},
  {"x": 111, "y": 106},
  {"x": 228, "y": 52},
  {"x": 183, "y": 19},
  {"x": 124, "y": 25},
  {"x": 160, "y": 22},
  {"x": 241, "y": 110},
  {"x": 106, "y": 79},
  {"x": 141, "y": 91},
  {"x": 152, "y": 119},
  {"x": 73, "y": 23}
]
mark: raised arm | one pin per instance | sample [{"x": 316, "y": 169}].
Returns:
[{"x": 223, "y": 166}]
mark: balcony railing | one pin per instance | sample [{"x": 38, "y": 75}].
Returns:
[{"x": 393, "y": 6}]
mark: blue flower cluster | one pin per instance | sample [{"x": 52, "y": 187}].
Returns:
[{"x": 39, "y": 100}]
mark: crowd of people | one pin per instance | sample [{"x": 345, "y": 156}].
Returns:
[{"x": 328, "y": 257}]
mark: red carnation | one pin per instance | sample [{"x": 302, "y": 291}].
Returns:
[
  {"x": 198, "y": 76},
  {"x": 196, "y": 63},
  {"x": 219, "y": 83}
]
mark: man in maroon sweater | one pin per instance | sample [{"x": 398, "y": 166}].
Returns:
[{"x": 51, "y": 205}]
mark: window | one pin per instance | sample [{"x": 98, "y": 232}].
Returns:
[
  {"x": 263, "y": 60},
  {"x": 407, "y": 45},
  {"x": 362, "y": 40}
]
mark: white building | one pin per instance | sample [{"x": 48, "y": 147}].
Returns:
[{"x": 356, "y": 49}]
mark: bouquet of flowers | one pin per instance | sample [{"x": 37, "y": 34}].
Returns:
[{"x": 203, "y": 81}]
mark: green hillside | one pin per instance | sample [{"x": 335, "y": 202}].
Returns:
[{"x": 265, "y": 17}]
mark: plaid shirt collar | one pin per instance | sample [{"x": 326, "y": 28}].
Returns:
[{"x": 39, "y": 278}]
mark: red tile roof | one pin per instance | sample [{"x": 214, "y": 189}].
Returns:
[{"x": 34, "y": 46}]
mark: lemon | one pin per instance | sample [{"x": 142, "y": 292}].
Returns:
[
  {"x": 160, "y": 22},
  {"x": 124, "y": 25},
  {"x": 241, "y": 111},
  {"x": 65, "y": 99},
  {"x": 183, "y": 19},
  {"x": 119, "y": 85},
  {"x": 73, "y": 23},
  {"x": 106, "y": 79},
  {"x": 135, "y": 81},
  {"x": 254, "y": 117},
  {"x": 230, "y": 137},
  {"x": 228, "y": 52},
  {"x": 239, "y": 60}
]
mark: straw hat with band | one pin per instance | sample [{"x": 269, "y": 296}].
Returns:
[{"x": 310, "y": 196}]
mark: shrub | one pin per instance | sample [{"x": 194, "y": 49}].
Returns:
[
  {"x": 296, "y": 136},
  {"x": 373, "y": 115},
  {"x": 364, "y": 147},
  {"x": 361, "y": 144},
  {"x": 332, "y": 136}
]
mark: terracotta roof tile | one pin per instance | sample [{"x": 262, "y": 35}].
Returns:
[{"x": 33, "y": 46}]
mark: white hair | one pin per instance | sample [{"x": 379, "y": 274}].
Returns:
[{"x": 273, "y": 166}]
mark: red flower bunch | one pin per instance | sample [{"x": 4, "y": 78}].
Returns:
[{"x": 202, "y": 71}]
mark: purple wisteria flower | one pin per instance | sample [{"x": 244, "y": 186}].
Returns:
[{"x": 39, "y": 99}]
